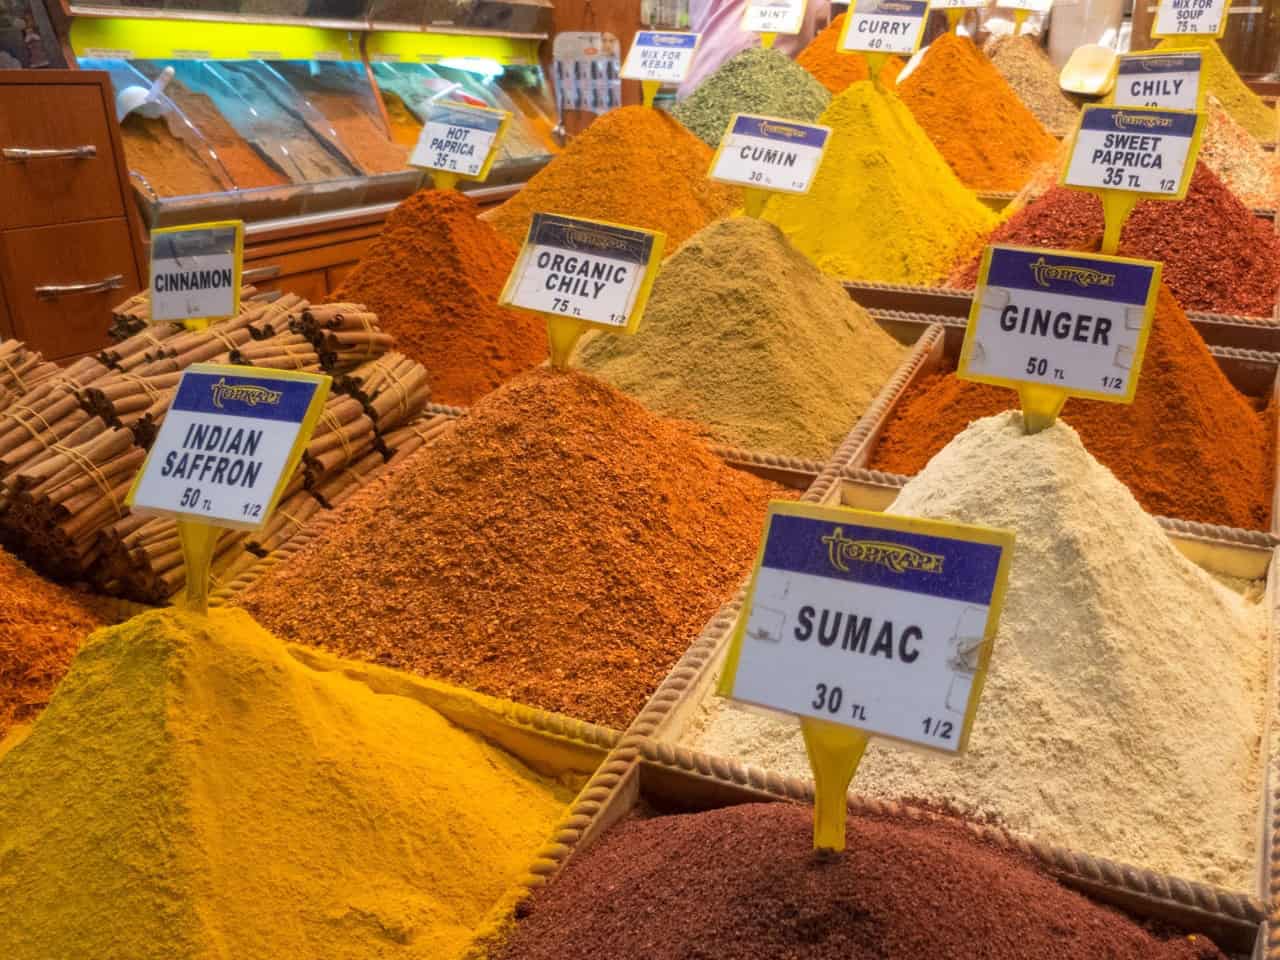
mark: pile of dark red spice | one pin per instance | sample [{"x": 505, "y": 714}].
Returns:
[
  {"x": 1218, "y": 256},
  {"x": 743, "y": 883}
]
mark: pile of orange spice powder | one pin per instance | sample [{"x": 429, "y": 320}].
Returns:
[
  {"x": 1190, "y": 446},
  {"x": 41, "y": 627},
  {"x": 635, "y": 166},
  {"x": 975, "y": 119},
  {"x": 433, "y": 277},
  {"x": 836, "y": 70},
  {"x": 562, "y": 548}
]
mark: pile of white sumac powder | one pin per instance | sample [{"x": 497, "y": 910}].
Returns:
[{"x": 1123, "y": 710}]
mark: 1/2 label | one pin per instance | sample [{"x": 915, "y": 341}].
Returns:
[
  {"x": 584, "y": 269},
  {"x": 884, "y": 26},
  {"x": 1184, "y": 18},
  {"x": 195, "y": 271},
  {"x": 1071, "y": 321},
  {"x": 226, "y": 443},
  {"x": 1134, "y": 149},
  {"x": 660, "y": 56},
  {"x": 774, "y": 16},
  {"x": 873, "y": 621},
  {"x": 460, "y": 139},
  {"x": 770, "y": 154},
  {"x": 1169, "y": 81}
]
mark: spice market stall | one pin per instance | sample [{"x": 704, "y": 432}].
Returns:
[{"x": 567, "y": 469}]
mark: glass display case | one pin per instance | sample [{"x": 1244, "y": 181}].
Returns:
[
  {"x": 412, "y": 70},
  {"x": 268, "y": 121}
]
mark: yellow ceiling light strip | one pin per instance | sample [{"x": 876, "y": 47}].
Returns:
[
  {"x": 414, "y": 47},
  {"x": 129, "y": 39}
]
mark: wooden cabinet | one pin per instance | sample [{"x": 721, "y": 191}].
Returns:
[
  {"x": 58, "y": 165},
  {"x": 70, "y": 241},
  {"x": 62, "y": 281}
]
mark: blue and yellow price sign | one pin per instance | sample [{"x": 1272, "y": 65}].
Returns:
[
  {"x": 872, "y": 621},
  {"x": 1127, "y": 154},
  {"x": 229, "y": 443},
  {"x": 884, "y": 26},
  {"x": 584, "y": 273},
  {"x": 1156, "y": 78},
  {"x": 459, "y": 141},
  {"x": 1055, "y": 323},
  {"x": 867, "y": 624}
]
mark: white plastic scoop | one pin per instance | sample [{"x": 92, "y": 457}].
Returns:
[{"x": 151, "y": 103}]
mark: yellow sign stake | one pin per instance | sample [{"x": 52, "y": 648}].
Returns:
[
  {"x": 954, "y": 16},
  {"x": 1116, "y": 207},
  {"x": 766, "y": 40},
  {"x": 445, "y": 181},
  {"x": 1019, "y": 18},
  {"x": 754, "y": 200},
  {"x": 834, "y": 754},
  {"x": 198, "y": 542},
  {"x": 1040, "y": 405},
  {"x": 875, "y": 65},
  {"x": 649, "y": 89},
  {"x": 564, "y": 334}
]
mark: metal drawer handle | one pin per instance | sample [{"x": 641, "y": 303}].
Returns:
[
  {"x": 67, "y": 153},
  {"x": 259, "y": 273},
  {"x": 52, "y": 291}
]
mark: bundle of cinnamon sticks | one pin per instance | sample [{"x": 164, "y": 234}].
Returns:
[{"x": 72, "y": 439}]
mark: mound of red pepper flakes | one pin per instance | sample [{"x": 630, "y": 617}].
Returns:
[
  {"x": 433, "y": 277},
  {"x": 1218, "y": 256},
  {"x": 562, "y": 547},
  {"x": 41, "y": 627}
]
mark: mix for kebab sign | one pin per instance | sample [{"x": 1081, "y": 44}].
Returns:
[{"x": 660, "y": 56}]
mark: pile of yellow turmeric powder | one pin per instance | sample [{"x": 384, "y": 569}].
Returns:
[
  {"x": 884, "y": 207},
  {"x": 197, "y": 789}
]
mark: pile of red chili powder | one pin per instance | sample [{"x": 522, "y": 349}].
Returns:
[
  {"x": 742, "y": 883},
  {"x": 433, "y": 277},
  {"x": 1190, "y": 445},
  {"x": 1218, "y": 257},
  {"x": 561, "y": 547},
  {"x": 41, "y": 627}
]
